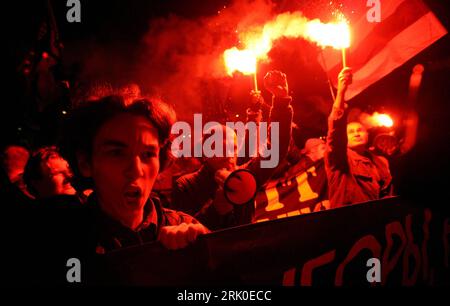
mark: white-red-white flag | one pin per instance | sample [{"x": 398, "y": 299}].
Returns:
[{"x": 377, "y": 48}]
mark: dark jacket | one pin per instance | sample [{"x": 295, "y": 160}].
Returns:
[
  {"x": 62, "y": 228},
  {"x": 109, "y": 234}
]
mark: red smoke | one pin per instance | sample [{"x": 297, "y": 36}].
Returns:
[
  {"x": 180, "y": 60},
  {"x": 180, "y": 57}
]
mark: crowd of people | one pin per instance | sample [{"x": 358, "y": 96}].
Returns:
[{"x": 95, "y": 186}]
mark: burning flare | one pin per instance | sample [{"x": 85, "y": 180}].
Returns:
[
  {"x": 382, "y": 120},
  {"x": 240, "y": 60},
  {"x": 377, "y": 120},
  {"x": 336, "y": 35},
  {"x": 258, "y": 43}
]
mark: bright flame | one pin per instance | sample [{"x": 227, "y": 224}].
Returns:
[
  {"x": 336, "y": 35},
  {"x": 382, "y": 120},
  {"x": 240, "y": 60},
  {"x": 258, "y": 43}
]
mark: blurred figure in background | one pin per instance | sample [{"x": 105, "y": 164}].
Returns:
[
  {"x": 312, "y": 152},
  {"x": 47, "y": 174},
  {"x": 14, "y": 158},
  {"x": 314, "y": 149}
]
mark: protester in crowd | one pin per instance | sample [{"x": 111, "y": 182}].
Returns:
[
  {"x": 354, "y": 173},
  {"x": 47, "y": 174},
  {"x": 122, "y": 147},
  {"x": 13, "y": 160},
  {"x": 314, "y": 149},
  {"x": 310, "y": 154}
]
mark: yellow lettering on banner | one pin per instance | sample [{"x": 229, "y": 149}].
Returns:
[
  {"x": 290, "y": 214},
  {"x": 273, "y": 200},
  {"x": 324, "y": 205},
  {"x": 305, "y": 191},
  {"x": 293, "y": 213},
  {"x": 305, "y": 210}
]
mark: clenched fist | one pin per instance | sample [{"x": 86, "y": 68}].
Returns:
[
  {"x": 344, "y": 79},
  {"x": 276, "y": 83}
]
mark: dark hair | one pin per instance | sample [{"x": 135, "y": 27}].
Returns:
[
  {"x": 83, "y": 124},
  {"x": 33, "y": 169}
]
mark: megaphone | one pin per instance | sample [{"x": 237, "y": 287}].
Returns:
[{"x": 240, "y": 187}]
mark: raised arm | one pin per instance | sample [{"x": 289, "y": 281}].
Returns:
[
  {"x": 336, "y": 154},
  {"x": 281, "y": 113}
]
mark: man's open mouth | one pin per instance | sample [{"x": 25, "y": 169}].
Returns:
[{"x": 133, "y": 193}]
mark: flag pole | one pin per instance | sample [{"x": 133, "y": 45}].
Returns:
[{"x": 330, "y": 86}]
